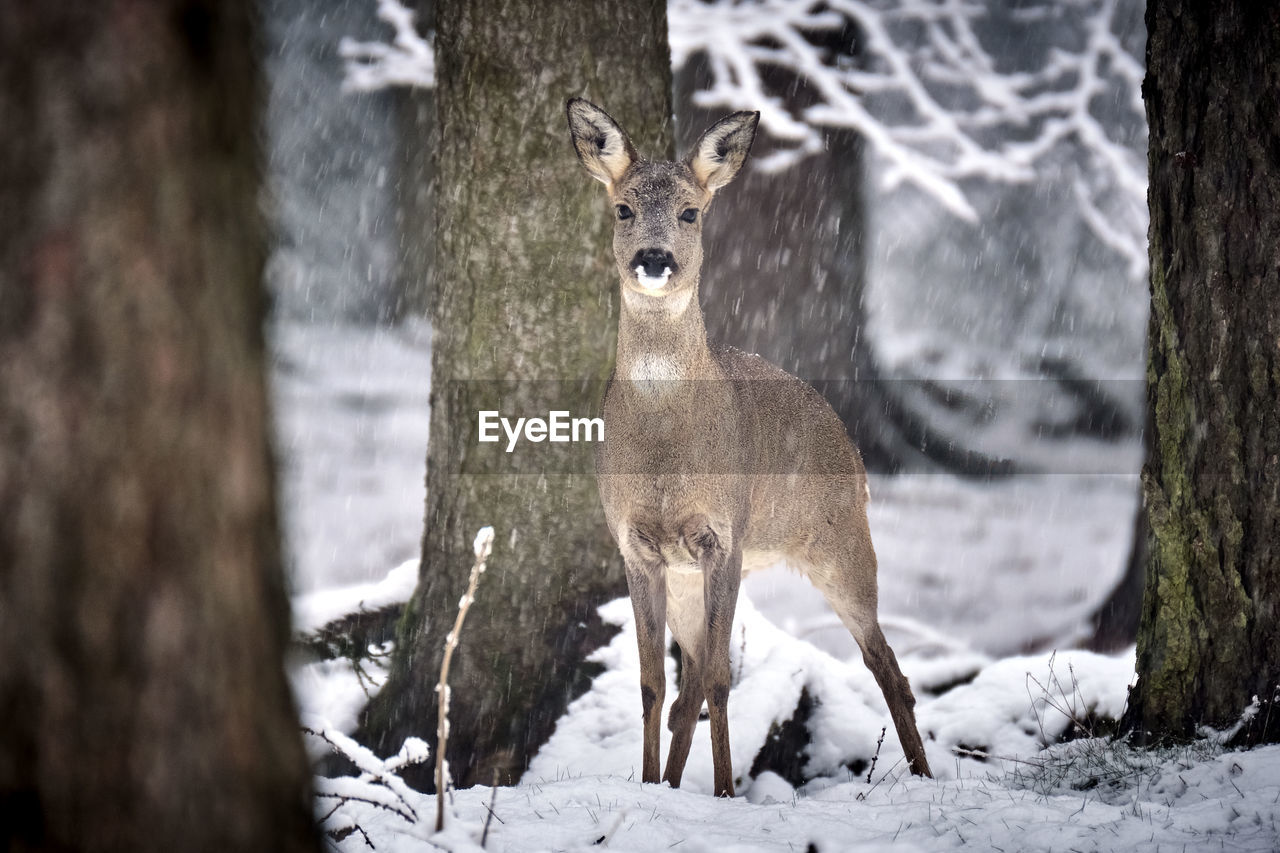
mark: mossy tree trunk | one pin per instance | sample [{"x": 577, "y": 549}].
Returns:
[
  {"x": 1209, "y": 639},
  {"x": 525, "y": 316},
  {"x": 143, "y": 617}
]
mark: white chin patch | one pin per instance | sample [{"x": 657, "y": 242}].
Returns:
[{"x": 653, "y": 282}]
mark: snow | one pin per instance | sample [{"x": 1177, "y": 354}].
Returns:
[
  {"x": 997, "y": 787},
  {"x": 1011, "y": 708},
  {"x": 970, "y": 574},
  {"x": 483, "y": 544},
  {"x": 332, "y": 694},
  {"x": 409, "y": 60},
  {"x": 314, "y": 610},
  {"x": 993, "y": 726},
  {"x": 1225, "y": 801}
]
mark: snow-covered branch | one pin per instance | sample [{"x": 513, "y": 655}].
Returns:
[
  {"x": 939, "y": 106},
  {"x": 409, "y": 60},
  {"x": 935, "y": 105},
  {"x": 378, "y": 784}
]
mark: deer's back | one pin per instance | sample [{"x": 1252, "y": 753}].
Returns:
[{"x": 808, "y": 479}]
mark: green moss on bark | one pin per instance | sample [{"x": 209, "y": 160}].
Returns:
[{"x": 1207, "y": 638}]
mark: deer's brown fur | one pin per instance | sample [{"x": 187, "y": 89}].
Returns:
[{"x": 714, "y": 462}]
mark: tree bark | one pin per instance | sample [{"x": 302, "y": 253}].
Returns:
[
  {"x": 143, "y": 617},
  {"x": 1209, "y": 639},
  {"x": 524, "y": 315}
]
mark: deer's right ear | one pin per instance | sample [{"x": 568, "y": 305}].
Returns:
[{"x": 602, "y": 146}]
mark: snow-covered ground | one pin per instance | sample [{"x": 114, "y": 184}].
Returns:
[
  {"x": 971, "y": 575},
  {"x": 997, "y": 788},
  {"x": 1186, "y": 801}
]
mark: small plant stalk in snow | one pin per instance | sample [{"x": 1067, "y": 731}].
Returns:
[
  {"x": 483, "y": 547},
  {"x": 879, "y": 743}
]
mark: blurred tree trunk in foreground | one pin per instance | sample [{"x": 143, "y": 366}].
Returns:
[
  {"x": 525, "y": 294},
  {"x": 1209, "y": 639},
  {"x": 143, "y": 618}
]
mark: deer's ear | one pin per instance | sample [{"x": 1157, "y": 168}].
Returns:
[
  {"x": 720, "y": 153},
  {"x": 601, "y": 144}
]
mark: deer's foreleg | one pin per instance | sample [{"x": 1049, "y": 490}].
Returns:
[{"x": 646, "y": 584}]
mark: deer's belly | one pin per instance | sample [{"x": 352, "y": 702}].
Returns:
[
  {"x": 686, "y": 613},
  {"x": 752, "y": 561}
]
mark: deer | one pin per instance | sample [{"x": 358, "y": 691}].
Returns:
[{"x": 714, "y": 462}]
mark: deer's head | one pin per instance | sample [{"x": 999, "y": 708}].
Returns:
[{"x": 659, "y": 206}]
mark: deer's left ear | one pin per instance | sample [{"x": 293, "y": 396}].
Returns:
[
  {"x": 720, "y": 153},
  {"x": 602, "y": 146}
]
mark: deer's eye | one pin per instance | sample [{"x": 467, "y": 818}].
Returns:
[
  {"x": 689, "y": 215},
  {"x": 624, "y": 212}
]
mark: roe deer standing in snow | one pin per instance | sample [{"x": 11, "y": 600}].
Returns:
[{"x": 714, "y": 462}]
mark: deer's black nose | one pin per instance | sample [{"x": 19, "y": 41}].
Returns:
[{"x": 653, "y": 262}]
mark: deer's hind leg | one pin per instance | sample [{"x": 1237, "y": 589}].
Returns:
[
  {"x": 719, "y": 557},
  {"x": 685, "y": 616},
  {"x": 848, "y": 581},
  {"x": 684, "y": 716}
]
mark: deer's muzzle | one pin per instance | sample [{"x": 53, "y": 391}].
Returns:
[{"x": 654, "y": 263}]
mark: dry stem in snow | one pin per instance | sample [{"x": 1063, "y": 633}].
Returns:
[{"x": 483, "y": 546}]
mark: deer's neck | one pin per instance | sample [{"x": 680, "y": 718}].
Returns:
[{"x": 663, "y": 339}]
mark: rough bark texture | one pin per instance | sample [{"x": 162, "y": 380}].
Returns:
[
  {"x": 1210, "y": 634},
  {"x": 143, "y": 620},
  {"x": 525, "y": 294}
]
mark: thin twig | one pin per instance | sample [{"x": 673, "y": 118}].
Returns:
[
  {"x": 493, "y": 797},
  {"x": 875, "y": 755},
  {"x": 483, "y": 546}
]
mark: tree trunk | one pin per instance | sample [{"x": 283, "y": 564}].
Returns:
[
  {"x": 1209, "y": 639},
  {"x": 143, "y": 617},
  {"x": 525, "y": 315},
  {"x": 416, "y": 188}
]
